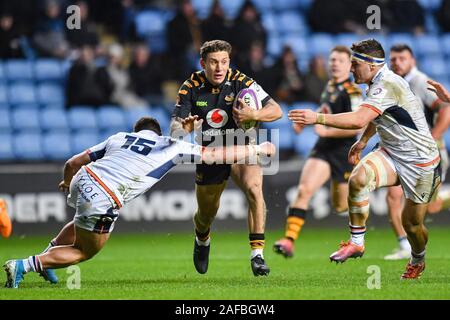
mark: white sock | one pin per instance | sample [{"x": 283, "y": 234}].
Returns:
[
  {"x": 255, "y": 252},
  {"x": 357, "y": 234},
  {"x": 404, "y": 243},
  {"x": 203, "y": 243},
  {"x": 417, "y": 258},
  {"x": 32, "y": 264}
]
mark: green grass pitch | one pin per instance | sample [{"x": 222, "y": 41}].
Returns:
[{"x": 159, "y": 266}]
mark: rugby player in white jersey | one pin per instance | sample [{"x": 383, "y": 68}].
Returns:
[
  {"x": 407, "y": 154},
  {"x": 108, "y": 176},
  {"x": 437, "y": 114}
]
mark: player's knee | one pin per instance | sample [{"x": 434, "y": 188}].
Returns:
[
  {"x": 411, "y": 227},
  {"x": 358, "y": 180}
]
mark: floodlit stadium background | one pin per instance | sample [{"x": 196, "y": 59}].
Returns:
[{"x": 51, "y": 108}]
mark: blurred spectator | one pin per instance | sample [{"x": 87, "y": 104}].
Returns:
[
  {"x": 287, "y": 76},
  {"x": 115, "y": 78},
  {"x": 443, "y": 15},
  {"x": 316, "y": 79},
  {"x": 407, "y": 16},
  {"x": 83, "y": 84},
  {"x": 50, "y": 38},
  {"x": 255, "y": 68},
  {"x": 9, "y": 38},
  {"x": 184, "y": 40},
  {"x": 247, "y": 29},
  {"x": 87, "y": 35},
  {"x": 215, "y": 26},
  {"x": 146, "y": 75}
]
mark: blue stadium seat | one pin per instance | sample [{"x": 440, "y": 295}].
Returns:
[
  {"x": 304, "y": 105},
  {"x": 103, "y": 135},
  {"x": 25, "y": 120},
  {"x": 305, "y": 141},
  {"x": 4, "y": 106},
  {"x": 3, "y": 94},
  {"x": 83, "y": 140},
  {"x": 111, "y": 118},
  {"x": 54, "y": 120},
  {"x": 274, "y": 46},
  {"x": 291, "y": 22},
  {"x": 430, "y": 5},
  {"x": 320, "y": 44},
  {"x": 286, "y": 137},
  {"x": 262, "y": 5},
  {"x": 5, "y": 121},
  {"x": 433, "y": 67},
  {"x": 2, "y": 73},
  {"x": 48, "y": 70},
  {"x": 231, "y": 7},
  {"x": 298, "y": 44},
  {"x": 305, "y": 4},
  {"x": 286, "y": 5},
  {"x": 33, "y": 106},
  {"x": 49, "y": 93},
  {"x": 270, "y": 22},
  {"x": 428, "y": 45},
  {"x": 400, "y": 38},
  {"x": 22, "y": 92},
  {"x": 17, "y": 69},
  {"x": 82, "y": 118},
  {"x": 53, "y": 106},
  {"x": 56, "y": 145},
  {"x": 202, "y": 7},
  {"x": 6, "y": 147},
  {"x": 27, "y": 146},
  {"x": 347, "y": 39},
  {"x": 134, "y": 115},
  {"x": 445, "y": 43},
  {"x": 163, "y": 117},
  {"x": 150, "y": 22}
]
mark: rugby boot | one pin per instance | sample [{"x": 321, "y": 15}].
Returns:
[{"x": 347, "y": 250}]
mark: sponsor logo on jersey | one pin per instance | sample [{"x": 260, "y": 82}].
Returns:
[
  {"x": 201, "y": 103},
  {"x": 215, "y": 90},
  {"x": 229, "y": 99},
  {"x": 217, "y": 118},
  {"x": 377, "y": 91}
]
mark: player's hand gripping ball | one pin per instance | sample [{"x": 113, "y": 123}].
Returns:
[{"x": 251, "y": 102}]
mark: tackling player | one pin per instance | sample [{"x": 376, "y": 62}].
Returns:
[
  {"x": 437, "y": 114},
  {"x": 108, "y": 176},
  {"x": 209, "y": 94},
  {"x": 407, "y": 154},
  {"x": 329, "y": 156},
  {"x": 5, "y": 221}
]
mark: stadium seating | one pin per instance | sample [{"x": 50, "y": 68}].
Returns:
[
  {"x": 83, "y": 140},
  {"x": 26, "y": 120},
  {"x": 27, "y": 146},
  {"x": 6, "y": 146},
  {"x": 3, "y": 94},
  {"x": 54, "y": 120},
  {"x": 22, "y": 92},
  {"x": 111, "y": 118},
  {"x": 17, "y": 69},
  {"x": 48, "y": 70},
  {"x": 49, "y": 93},
  {"x": 56, "y": 145},
  {"x": 5, "y": 121},
  {"x": 82, "y": 118}
]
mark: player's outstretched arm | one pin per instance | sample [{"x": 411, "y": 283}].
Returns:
[
  {"x": 71, "y": 167},
  {"x": 440, "y": 90},
  {"x": 234, "y": 154},
  {"x": 348, "y": 120}
]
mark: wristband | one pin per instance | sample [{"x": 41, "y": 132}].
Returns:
[{"x": 320, "y": 118}]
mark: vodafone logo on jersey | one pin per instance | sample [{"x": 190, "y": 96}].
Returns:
[{"x": 217, "y": 118}]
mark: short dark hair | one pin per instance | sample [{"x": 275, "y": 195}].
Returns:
[
  {"x": 147, "y": 123},
  {"x": 400, "y": 47},
  {"x": 343, "y": 49},
  {"x": 214, "y": 46},
  {"x": 370, "y": 47}
]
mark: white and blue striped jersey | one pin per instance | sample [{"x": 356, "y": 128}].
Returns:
[
  {"x": 131, "y": 163},
  {"x": 401, "y": 124}
]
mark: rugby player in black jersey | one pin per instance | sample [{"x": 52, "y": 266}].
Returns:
[
  {"x": 206, "y": 99},
  {"x": 328, "y": 159}
]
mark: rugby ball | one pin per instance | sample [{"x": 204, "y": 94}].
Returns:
[{"x": 250, "y": 99}]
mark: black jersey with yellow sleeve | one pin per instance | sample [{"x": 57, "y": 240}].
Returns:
[
  {"x": 214, "y": 104},
  {"x": 339, "y": 97}
]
